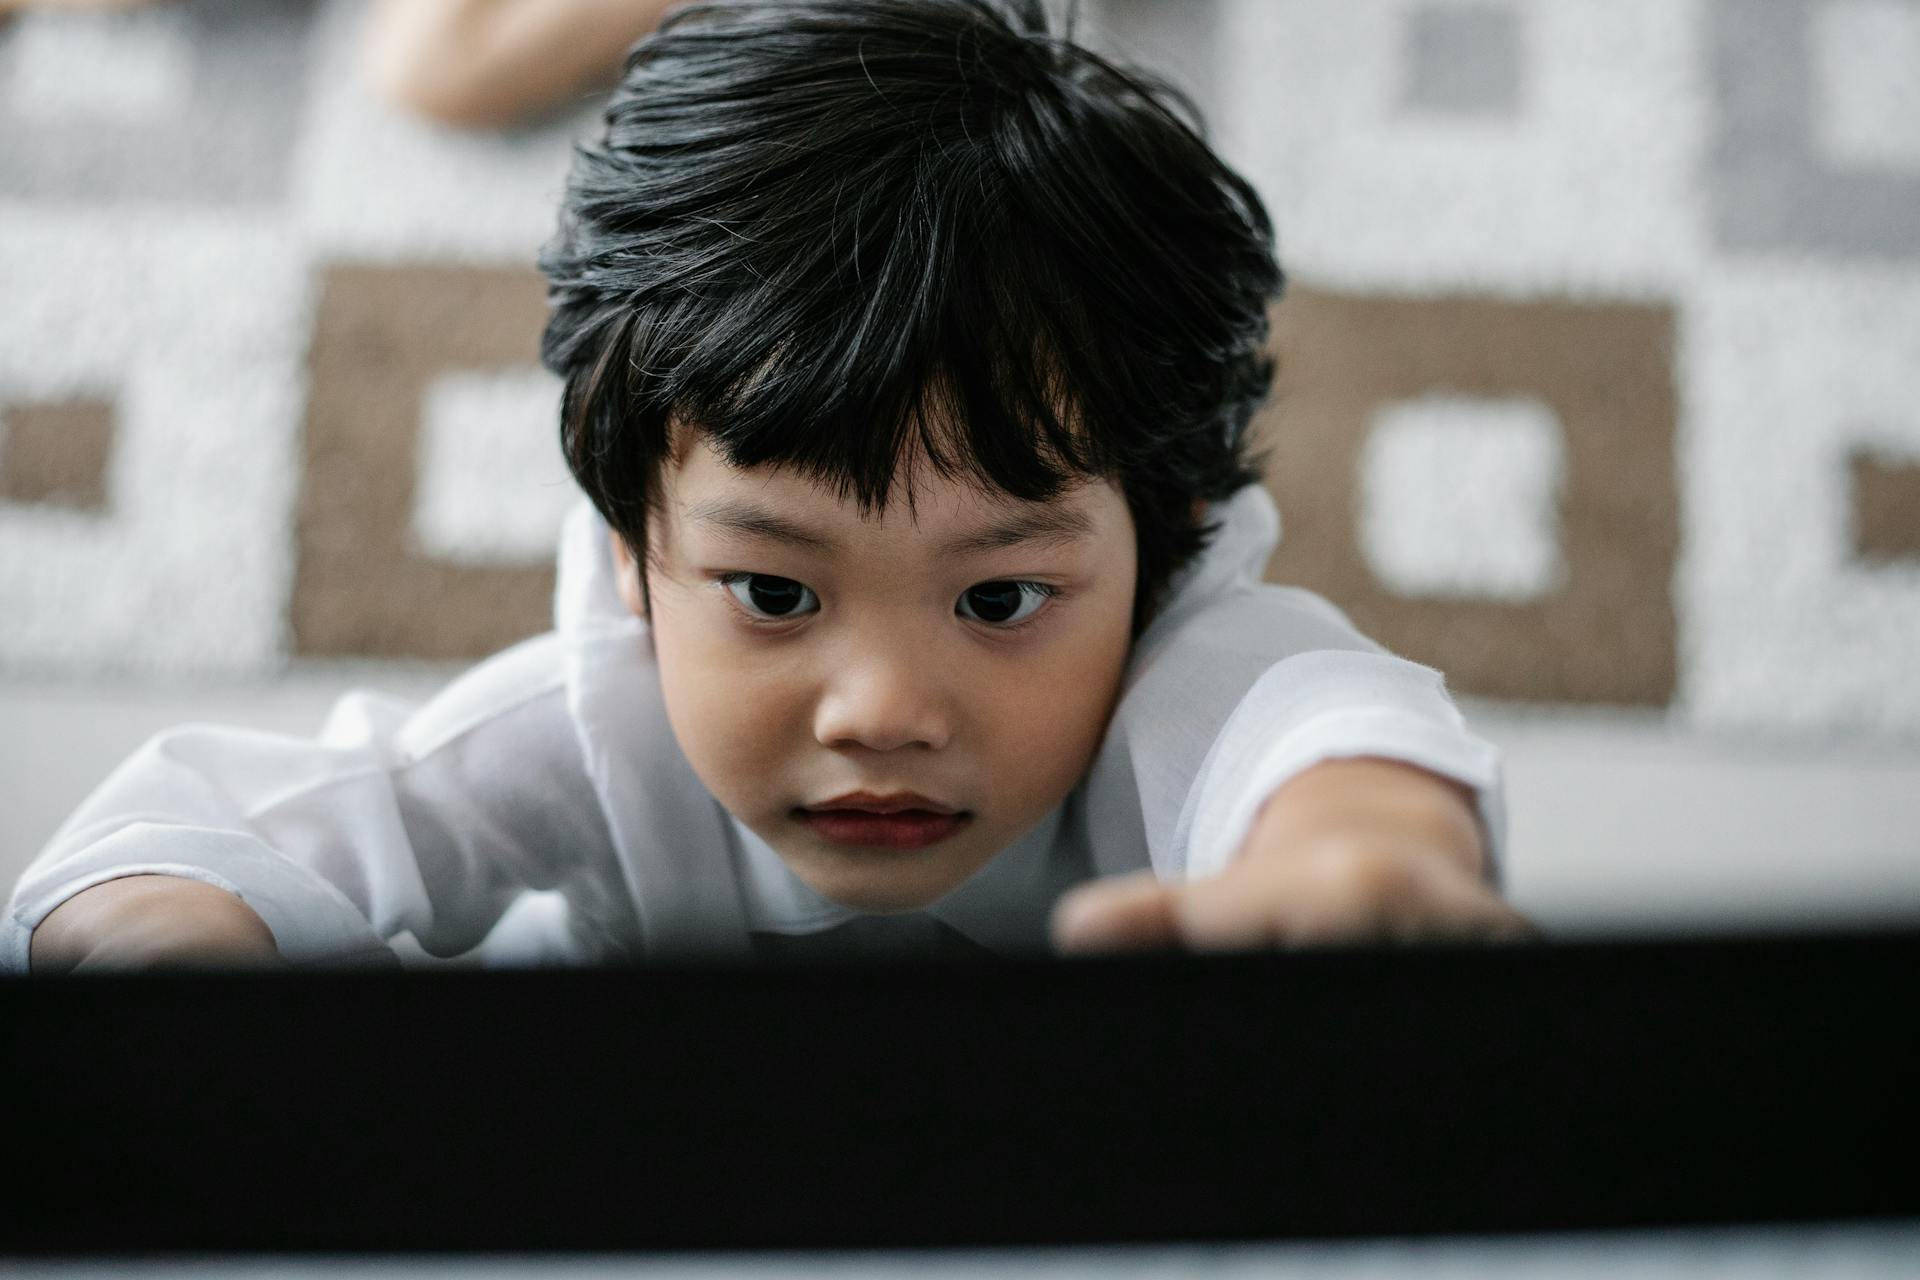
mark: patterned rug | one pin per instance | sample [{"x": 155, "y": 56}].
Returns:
[{"x": 1601, "y": 365}]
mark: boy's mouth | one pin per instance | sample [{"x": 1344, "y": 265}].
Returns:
[
  {"x": 901, "y": 829},
  {"x": 890, "y": 803}
]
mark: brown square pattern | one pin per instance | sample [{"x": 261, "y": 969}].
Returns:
[
  {"x": 1607, "y": 635},
  {"x": 56, "y": 454},
  {"x": 381, "y": 335},
  {"x": 1886, "y": 508}
]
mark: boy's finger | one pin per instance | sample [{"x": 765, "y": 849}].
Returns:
[
  {"x": 1465, "y": 910},
  {"x": 1116, "y": 914},
  {"x": 1214, "y": 914}
]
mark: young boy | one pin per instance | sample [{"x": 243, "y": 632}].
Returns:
[{"x": 909, "y": 352}]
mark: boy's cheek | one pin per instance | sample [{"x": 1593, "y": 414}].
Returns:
[{"x": 1049, "y": 727}]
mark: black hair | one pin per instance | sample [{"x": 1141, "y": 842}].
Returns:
[{"x": 827, "y": 233}]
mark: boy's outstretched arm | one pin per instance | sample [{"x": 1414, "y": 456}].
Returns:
[
  {"x": 148, "y": 921},
  {"x": 1349, "y": 850},
  {"x": 226, "y": 846}
]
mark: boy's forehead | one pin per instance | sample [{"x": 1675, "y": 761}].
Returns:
[{"x": 710, "y": 494}]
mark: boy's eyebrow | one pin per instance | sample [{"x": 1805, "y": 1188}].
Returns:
[{"x": 1047, "y": 524}]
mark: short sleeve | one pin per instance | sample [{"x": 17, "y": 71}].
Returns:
[{"x": 1325, "y": 705}]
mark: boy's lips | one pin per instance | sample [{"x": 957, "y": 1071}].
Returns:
[
  {"x": 891, "y": 802},
  {"x": 902, "y": 829}
]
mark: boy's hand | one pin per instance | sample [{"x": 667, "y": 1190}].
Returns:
[
  {"x": 1360, "y": 850},
  {"x": 151, "y": 922}
]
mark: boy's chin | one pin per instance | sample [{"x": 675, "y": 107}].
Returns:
[{"x": 877, "y": 882}]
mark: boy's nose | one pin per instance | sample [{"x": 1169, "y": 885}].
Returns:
[{"x": 884, "y": 704}]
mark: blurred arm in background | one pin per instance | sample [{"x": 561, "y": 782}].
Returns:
[
  {"x": 489, "y": 64},
  {"x": 21, "y": 6}
]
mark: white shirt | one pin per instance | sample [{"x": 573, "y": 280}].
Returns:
[{"x": 552, "y": 766}]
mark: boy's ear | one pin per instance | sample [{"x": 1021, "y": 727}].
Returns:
[{"x": 626, "y": 572}]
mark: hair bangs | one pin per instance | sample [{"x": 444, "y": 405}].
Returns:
[{"x": 922, "y": 350}]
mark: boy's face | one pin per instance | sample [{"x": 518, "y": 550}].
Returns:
[{"x": 806, "y": 654}]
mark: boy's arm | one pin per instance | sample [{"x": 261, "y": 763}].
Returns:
[
  {"x": 427, "y": 822},
  {"x": 148, "y": 921},
  {"x": 1349, "y": 850},
  {"x": 277, "y": 825},
  {"x": 1332, "y": 790}
]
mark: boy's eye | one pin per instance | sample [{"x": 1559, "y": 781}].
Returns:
[
  {"x": 770, "y": 597},
  {"x": 1003, "y": 603}
]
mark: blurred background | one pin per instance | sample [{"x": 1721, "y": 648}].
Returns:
[{"x": 1600, "y": 392}]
